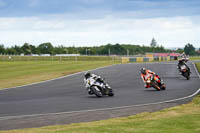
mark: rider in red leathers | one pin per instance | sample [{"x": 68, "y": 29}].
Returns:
[{"x": 145, "y": 74}]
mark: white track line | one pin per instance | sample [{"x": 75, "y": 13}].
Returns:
[
  {"x": 83, "y": 111},
  {"x": 196, "y": 70}
]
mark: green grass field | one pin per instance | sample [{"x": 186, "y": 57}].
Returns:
[
  {"x": 25, "y": 72},
  {"x": 195, "y": 58}
]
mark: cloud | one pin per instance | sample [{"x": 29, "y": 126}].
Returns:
[
  {"x": 168, "y": 31},
  {"x": 86, "y": 22},
  {"x": 94, "y": 8}
]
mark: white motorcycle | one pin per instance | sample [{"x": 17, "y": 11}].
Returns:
[{"x": 99, "y": 87}]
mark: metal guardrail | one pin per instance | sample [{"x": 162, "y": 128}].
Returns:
[{"x": 145, "y": 59}]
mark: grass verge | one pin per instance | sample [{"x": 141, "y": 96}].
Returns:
[
  {"x": 195, "y": 58},
  {"x": 198, "y": 66},
  {"x": 22, "y": 72}
]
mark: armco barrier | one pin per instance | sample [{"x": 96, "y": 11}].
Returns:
[
  {"x": 168, "y": 58},
  {"x": 133, "y": 59},
  {"x": 145, "y": 59},
  {"x": 125, "y": 59},
  {"x": 156, "y": 58},
  {"x": 150, "y": 59},
  {"x": 160, "y": 58},
  {"x": 139, "y": 59}
]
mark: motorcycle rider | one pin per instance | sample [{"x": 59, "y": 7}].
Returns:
[
  {"x": 88, "y": 77},
  {"x": 184, "y": 56},
  {"x": 145, "y": 74},
  {"x": 182, "y": 61}
]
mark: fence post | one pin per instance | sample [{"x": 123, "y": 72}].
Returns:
[{"x": 52, "y": 58}]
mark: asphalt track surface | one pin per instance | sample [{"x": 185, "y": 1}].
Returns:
[{"x": 68, "y": 94}]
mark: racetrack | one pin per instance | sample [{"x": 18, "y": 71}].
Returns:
[{"x": 68, "y": 94}]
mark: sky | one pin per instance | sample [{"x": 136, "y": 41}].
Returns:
[{"x": 173, "y": 23}]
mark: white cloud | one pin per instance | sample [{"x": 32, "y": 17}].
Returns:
[{"x": 174, "y": 31}]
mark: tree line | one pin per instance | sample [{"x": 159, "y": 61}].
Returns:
[{"x": 109, "y": 49}]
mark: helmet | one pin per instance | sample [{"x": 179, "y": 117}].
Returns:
[
  {"x": 143, "y": 70},
  {"x": 87, "y": 75}
]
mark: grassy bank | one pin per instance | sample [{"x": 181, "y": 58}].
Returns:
[
  {"x": 195, "y": 58},
  {"x": 25, "y": 72}
]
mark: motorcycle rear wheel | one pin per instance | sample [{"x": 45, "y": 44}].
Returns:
[
  {"x": 110, "y": 93},
  {"x": 163, "y": 88}
]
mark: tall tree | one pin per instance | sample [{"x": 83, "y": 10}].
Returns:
[
  {"x": 18, "y": 49},
  {"x": 179, "y": 50},
  {"x": 2, "y": 49},
  {"x": 189, "y": 49},
  {"x": 153, "y": 43},
  {"x": 34, "y": 50},
  {"x": 46, "y": 48},
  {"x": 10, "y": 51},
  {"x": 26, "y": 49}
]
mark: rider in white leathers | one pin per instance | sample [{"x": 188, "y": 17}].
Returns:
[{"x": 89, "y": 79}]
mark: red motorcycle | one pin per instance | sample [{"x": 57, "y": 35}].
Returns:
[{"x": 155, "y": 82}]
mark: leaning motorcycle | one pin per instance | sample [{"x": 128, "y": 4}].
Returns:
[
  {"x": 100, "y": 88},
  {"x": 185, "y": 71},
  {"x": 153, "y": 82}
]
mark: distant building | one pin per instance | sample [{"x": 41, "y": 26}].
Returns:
[
  {"x": 67, "y": 55},
  {"x": 34, "y": 55},
  {"x": 45, "y": 55},
  {"x": 161, "y": 54},
  {"x": 173, "y": 56}
]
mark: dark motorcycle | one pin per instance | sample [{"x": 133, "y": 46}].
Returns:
[
  {"x": 155, "y": 82},
  {"x": 100, "y": 88},
  {"x": 183, "y": 68},
  {"x": 185, "y": 71}
]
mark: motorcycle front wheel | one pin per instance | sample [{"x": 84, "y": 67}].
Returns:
[
  {"x": 155, "y": 86},
  {"x": 96, "y": 91},
  {"x": 187, "y": 75}
]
